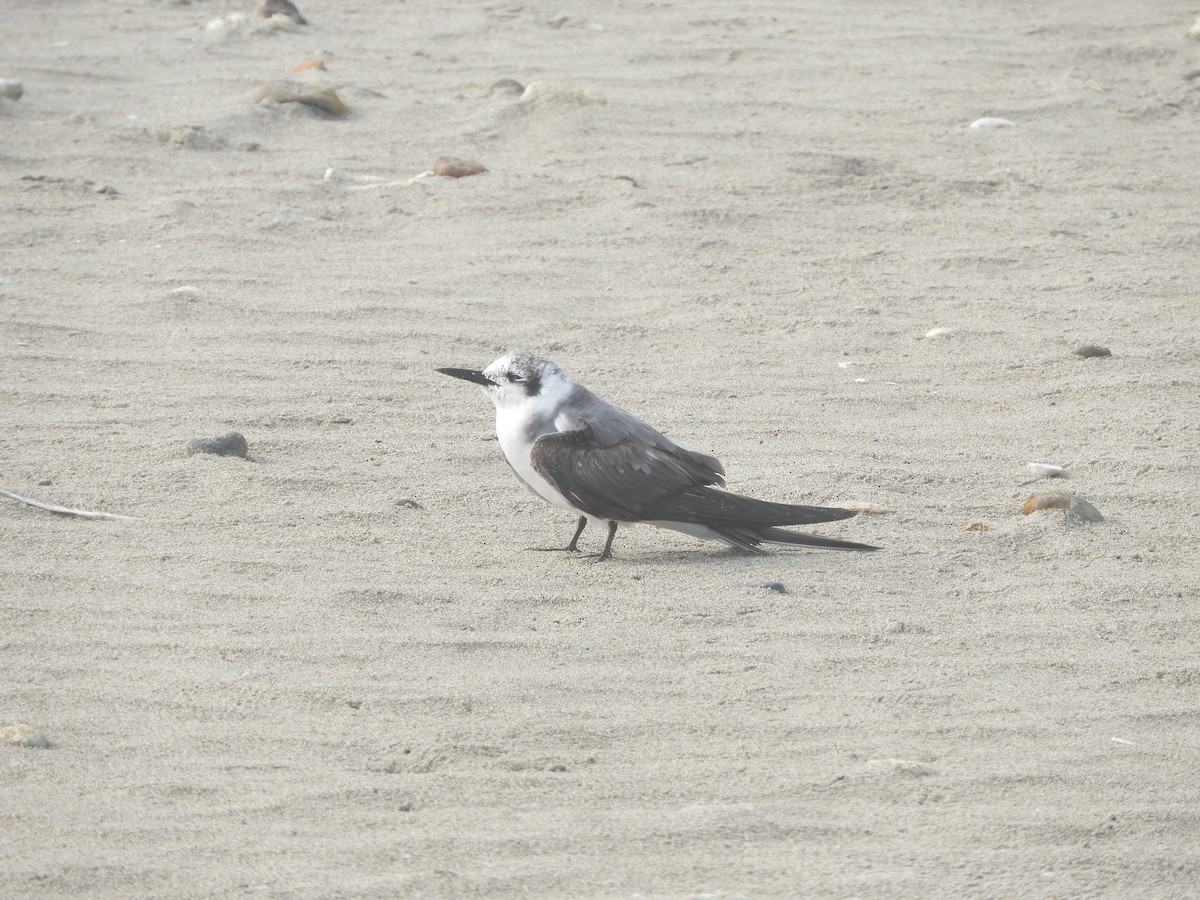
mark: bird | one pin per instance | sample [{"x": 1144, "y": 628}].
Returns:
[{"x": 603, "y": 464}]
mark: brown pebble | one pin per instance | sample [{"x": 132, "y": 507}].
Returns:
[
  {"x": 229, "y": 444},
  {"x": 309, "y": 64},
  {"x": 1090, "y": 351},
  {"x": 23, "y": 736},
  {"x": 453, "y": 167},
  {"x": 1076, "y": 508},
  {"x": 976, "y": 526}
]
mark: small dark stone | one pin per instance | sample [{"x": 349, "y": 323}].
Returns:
[
  {"x": 408, "y": 503},
  {"x": 45, "y": 482},
  {"x": 231, "y": 444},
  {"x": 777, "y": 586},
  {"x": 281, "y": 8},
  {"x": 354, "y": 704},
  {"x": 1090, "y": 351}
]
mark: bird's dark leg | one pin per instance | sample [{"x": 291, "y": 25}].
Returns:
[
  {"x": 606, "y": 553},
  {"x": 572, "y": 547}
]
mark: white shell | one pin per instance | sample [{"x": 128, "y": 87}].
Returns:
[
  {"x": 992, "y": 122},
  {"x": 1046, "y": 470},
  {"x": 938, "y": 332}
]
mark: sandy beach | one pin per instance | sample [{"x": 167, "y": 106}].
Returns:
[{"x": 333, "y": 669}]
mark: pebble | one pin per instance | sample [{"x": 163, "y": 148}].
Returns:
[
  {"x": 1090, "y": 351},
  {"x": 281, "y": 8},
  {"x": 777, "y": 587},
  {"x": 325, "y": 99},
  {"x": 23, "y": 736},
  {"x": 230, "y": 444},
  {"x": 11, "y": 88},
  {"x": 453, "y": 167},
  {"x": 992, "y": 122},
  {"x": 976, "y": 526},
  {"x": 507, "y": 86},
  {"x": 408, "y": 503},
  {"x": 1074, "y": 507}
]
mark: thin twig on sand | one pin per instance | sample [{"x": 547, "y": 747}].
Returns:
[{"x": 66, "y": 511}]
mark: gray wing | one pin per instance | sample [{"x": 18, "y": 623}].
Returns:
[{"x": 614, "y": 466}]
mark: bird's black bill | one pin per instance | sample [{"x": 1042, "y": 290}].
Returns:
[{"x": 469, "y": 375}]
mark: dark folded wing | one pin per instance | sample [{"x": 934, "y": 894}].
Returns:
[
  {"x": 623, "y": 479},
  {"x": 704, "y": 505}
]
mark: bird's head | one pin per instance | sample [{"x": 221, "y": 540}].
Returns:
[{"x": 515, "y": 378}]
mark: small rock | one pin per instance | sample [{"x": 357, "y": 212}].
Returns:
[
  {"x": 506, "y": 86},
  {"x": 11, "y": 88},
  {"x": 1075, "y": 508},
  {"x": 354, "y": 704},
  {"x": 777, "y": 587},
  {"x": 325, "y": 99},
  {"x": 976, "y": 526},
  {"x": 281, "y": 8},
  {"x": 23, "y": 736},
  {"x": 340, "y": 419},
  {"x": 408, "y": 503},
  {"x": 230, "y": 444},
  {"x": 453, "y": 167},
  {"x": 1090, "y": 351}
]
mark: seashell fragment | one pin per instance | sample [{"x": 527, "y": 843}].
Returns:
[
  {"x": 542, "y": 92},
  {"x": 23, "y": 736},
  {"x": 992, "y": 122},
  {"x": 1075, "y": 508},
  {"x": 453, "y": 167},
  {"x": 1194, "y": 31},
  {"x": 325, "y": 99},
  {"x": 1090, "y": 351},
  {"x": 309, "y": 64},
  {"x": 286, "y": 8},
  {"x": 229, "y": 444},
  {"x": 11, "y": 89},
  {"x": 938, "y": 333},
  {"x": 976, "y": 526},
  {"x": 1046, "y": 470}
]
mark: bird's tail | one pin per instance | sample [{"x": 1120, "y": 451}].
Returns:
[
  {"x": 782, "y": 536},
  {"x": 750, "y": 537}
]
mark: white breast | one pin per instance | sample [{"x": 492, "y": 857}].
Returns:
[{"x": 515, "y": 445}]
